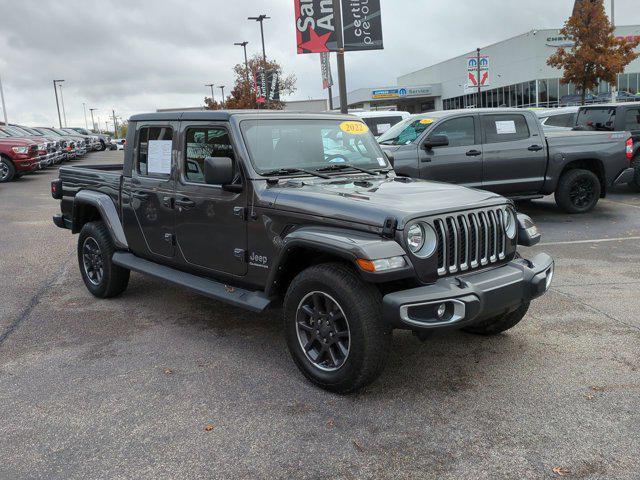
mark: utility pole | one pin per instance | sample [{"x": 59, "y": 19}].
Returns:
[
  {"x": 4, "y": 106},
  {"x": 221, "y": 87},
  {"x": 84, "y": 109},
  {"x": 213, "y": 97},
  {"x": 261, "y": 19},
  {"x": 55, "y": 90},
  {"x": 64, "y": 112},
  {"x": 246, "y": 61},
  {"x": 115, "y": 124},
  {"x": 613, "y": 13},
  {"x": 479, "y": 102},
  {"x": 93, "y": 122},
  {"x": 342, "y": 76}
]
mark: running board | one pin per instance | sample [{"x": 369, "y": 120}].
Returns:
[{"x": 254, "y": 301}]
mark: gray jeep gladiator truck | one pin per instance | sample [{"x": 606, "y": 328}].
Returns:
[
  {"x": 506, "y": 151},
  {"x": 303, "y": 211}
]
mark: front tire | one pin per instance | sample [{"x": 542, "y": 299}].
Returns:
[
  {"x": 501, "y": 323},
  {"x": 7, "y": 170},
  {"x": 334, "y": 328},
  {"x": 101, "y": 276},
  {"x": 578, "y": 191}
]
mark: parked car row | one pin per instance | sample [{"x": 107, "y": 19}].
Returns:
[
  {"x": 605, "y": 97},
  {"x": 26, "y": 149}
]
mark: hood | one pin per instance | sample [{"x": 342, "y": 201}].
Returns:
[
  {"x": 17, "y": 141},
  {"x": 371, "y": 200}
]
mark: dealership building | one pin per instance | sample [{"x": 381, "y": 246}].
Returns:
[{"x": 518, "y": 76}]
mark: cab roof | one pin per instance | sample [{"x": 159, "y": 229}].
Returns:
[{"x": 225, "y": 115}]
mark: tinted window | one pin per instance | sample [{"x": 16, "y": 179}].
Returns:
[
  {"x": 460, "y": 131},
  {"x": 202, "y": 143},
  {"x": 597, "y": 118},
  {"x": 564, "y": 120},
  {"x": 154, "y": 148},
  {"x": 505, "y": 128},
  {"x": 632, "y": 119},
  {"x": 407, "y": 131},
  {"x": 379, "y": 125}
]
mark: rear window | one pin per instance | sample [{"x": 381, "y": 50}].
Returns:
[
  {"x": 505, "y": 128},
  {"x": 632, "y": 119},
  {"x": 563, "y": 120},
  {"x": 602, "y": 119},
  {"x": 379, "y": 125}
]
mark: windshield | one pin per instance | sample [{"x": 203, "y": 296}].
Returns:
[
  {"x": 310, "y": 144},
  {"x": 3, "y": 134},
  {"x": 406, "y": 131}
]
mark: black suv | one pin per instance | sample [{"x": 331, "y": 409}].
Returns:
[{"x": 305, "y": 212}]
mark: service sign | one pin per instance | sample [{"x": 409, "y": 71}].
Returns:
[
  {"x": 362, "y": 25},
  {"x": 315, "y": 30}
]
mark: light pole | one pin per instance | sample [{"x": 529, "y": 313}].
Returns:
[
  {"x": 55, "y": 89},
  {"x": 115, "y": 123},
  {"x": 64, "y": 112},
  {"x": 479, "y": 102},
  {"x": 93, "y": 122},
  {"x": 4, "y": 106},
  {"x": 261, "y": 18},
  {"x": 213, "y": 97},
  {"x": 84, "y": 109},
  {"x": 221, "y": 87},
  {"x": 342, "y": 76},
  {"x": 246, "y": 62}
]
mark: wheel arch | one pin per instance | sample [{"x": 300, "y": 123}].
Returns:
[
  {"x": 89, "y": 206},
  {"x": 594, "y": 165}
]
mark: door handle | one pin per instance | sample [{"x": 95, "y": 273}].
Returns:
[
  {"x": 474, "y": 153},
  {"x": 185, "y": 203},
  {"x": 167, "y": 202},
  {"x": 534, "y": 148},
  {"x": 426, "y": 160}
]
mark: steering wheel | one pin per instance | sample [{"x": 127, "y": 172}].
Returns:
[{"x": 330, "y": 158}]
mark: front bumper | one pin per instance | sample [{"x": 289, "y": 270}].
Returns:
[
  {"x": 469, "y": 298},
  {"x": 625, "y": 177}
]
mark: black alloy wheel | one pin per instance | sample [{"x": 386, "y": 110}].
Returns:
[
  {"x": 323, "y": 331},
  {"x": 582, "y": 192},
  {"x": 92, "y": 261}
]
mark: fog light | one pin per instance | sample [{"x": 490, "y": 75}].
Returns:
[
  {"x": 549, "y": 276},
  {"x": 442, "y": 309}
]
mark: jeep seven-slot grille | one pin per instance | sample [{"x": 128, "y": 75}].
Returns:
[{"x": 467, "y": 241}]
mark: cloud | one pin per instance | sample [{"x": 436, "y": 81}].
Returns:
[{"x": 143, "y": 55}]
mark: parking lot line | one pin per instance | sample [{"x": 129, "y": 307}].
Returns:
[{"x": 596, "y": 240}]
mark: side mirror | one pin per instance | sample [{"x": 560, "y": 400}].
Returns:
[
  {"x": 528, "y": 233},
  {"x": 436, "y": 141},
  {"x": 218, "y": 170},
  {"x": 391, "y": 159}
]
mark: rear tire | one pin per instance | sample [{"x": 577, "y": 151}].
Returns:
[
  {"x": 7, "y": 170},
  {"x": 501, "y": 323},
  {"x": 334, "y": 328},
  {"x": 101, "y": 276},
  {"x": 578, "y": 191},
  {"x": 635, "y": 183}
]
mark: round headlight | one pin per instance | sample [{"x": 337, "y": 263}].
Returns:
[
  {"x": 428, "y": 240},
  {"x": 510, "y": 223},
  {"x": 415, "y": 238}
]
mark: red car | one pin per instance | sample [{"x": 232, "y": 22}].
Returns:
[{"x": 17, "y": 157}]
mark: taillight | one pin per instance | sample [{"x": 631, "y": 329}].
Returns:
[
  {"x": 56, "y": 189},
  {"x": 630, "y": 148}
]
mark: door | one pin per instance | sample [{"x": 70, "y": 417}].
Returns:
[
  {"x": 515, "y": 154},
  {"x": 148, "y": 208},
  {"x": 210, "y": 225},
  {"x": 459, "y": 162}
]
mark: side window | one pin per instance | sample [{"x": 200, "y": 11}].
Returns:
[
  {"x": 563, "y": 120},
  {"x": 154, "y": 151},
  {"x": 203, "y": 142},
  {"x": 632, "y": 119},
  {"x": 505, "y": 128},
  {"x": 601, "y": 119},
  {"x": 460, "y": 131}
]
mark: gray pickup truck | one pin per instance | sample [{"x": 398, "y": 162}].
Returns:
[
  {"x": 507, "y": 151},
  {"x": 301, "y": 211}
]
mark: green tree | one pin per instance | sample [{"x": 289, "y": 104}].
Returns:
[
  {"x": 597, "y": 54},
  {"x": 243, "y": 94}
]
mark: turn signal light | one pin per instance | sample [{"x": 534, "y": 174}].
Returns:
[{"x": 382, "y": 265}]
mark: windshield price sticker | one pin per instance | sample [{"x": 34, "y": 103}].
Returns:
[
  {"x": 354, "y": 128},
  {"x": 426, "y": 121}
]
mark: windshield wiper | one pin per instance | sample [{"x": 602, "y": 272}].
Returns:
[
  {"x": 289, "y": 171},
  {"x": 344, "y": 166}
]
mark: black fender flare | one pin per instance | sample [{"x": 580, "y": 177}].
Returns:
[
  {"x": 343, "y": 243},
  {"x": 108, "y": 212}
]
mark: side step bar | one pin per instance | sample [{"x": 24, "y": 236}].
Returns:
[{"x": 254, "y": 301}]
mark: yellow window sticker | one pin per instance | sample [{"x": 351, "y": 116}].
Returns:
[
  {"x": 354, "y": 128},
  {"x": 426, "y": 121}
]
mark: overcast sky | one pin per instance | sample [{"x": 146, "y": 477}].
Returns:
[{"x": 140, "y": 55}]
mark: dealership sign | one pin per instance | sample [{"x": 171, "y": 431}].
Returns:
[
  {"x": 325, "y": 68},
  {"x": 478, "y": 75},
  {"x": 267, "y": 86},
  {"x": 315, "y": 25},
  {"x": 401, "y": 92}
]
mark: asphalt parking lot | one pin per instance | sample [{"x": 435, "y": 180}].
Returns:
[{"x": 161, "y": 383}]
